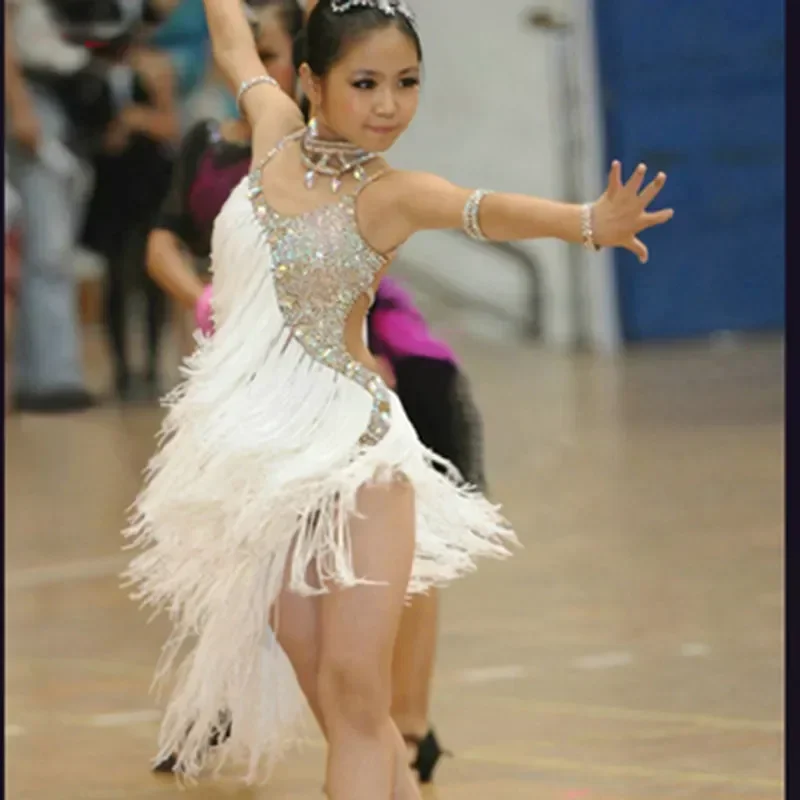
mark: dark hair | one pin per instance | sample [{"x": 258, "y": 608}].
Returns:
[
  {"x": 290, "y": 11},
  {"x": 327, "y": 34},
  {"x": 299, "y": 58}
]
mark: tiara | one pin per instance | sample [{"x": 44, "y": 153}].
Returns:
[{"x": 388, "y": 7}]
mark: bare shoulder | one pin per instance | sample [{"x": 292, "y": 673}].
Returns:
[
  {"x": 421, "y": 200},
  {"x": 397, "y": 188},
  {"x": 400, "y": 202},
  {"x": 404, "y": 184}
]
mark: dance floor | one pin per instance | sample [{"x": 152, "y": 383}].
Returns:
[{"x": 632, "y": 650}]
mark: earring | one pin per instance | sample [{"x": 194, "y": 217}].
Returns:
[{"x": 313, "y": 127}]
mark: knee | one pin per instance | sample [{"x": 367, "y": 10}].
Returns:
[
  {"x": 306, "y": 670},
  {"x": 352, "y": 690}
]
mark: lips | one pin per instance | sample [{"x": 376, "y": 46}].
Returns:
[{"x": 382, "y": 131}]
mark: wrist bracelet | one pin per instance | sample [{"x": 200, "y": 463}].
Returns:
[
  {"x": 245, "y": 86},
  {"x": 587, "y": 227}
]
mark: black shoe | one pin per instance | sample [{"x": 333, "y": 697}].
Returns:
[
  {"x": 167, "y": 765},
  {"x": 217, "y": 738},
  {"x": 428, "y": 754},
  {"x": 56, "y": 402}
]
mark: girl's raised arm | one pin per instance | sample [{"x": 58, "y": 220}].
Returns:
[{"x": 271, "y": 113}]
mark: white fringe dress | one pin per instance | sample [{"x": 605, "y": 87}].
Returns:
[{"x": 266, "y": 442}]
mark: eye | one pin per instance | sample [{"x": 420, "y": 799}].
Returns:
[
  {"x": 365, "y": 84},
  {"x": 267, "y": 55},
  {"x": 409, "y": 83}
]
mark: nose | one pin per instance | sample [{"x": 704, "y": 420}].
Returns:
[{"x": 386, "y": 103}]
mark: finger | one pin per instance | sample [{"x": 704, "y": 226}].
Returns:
[
  {"x": 652, "y": 189},
  {"x": 655, "y": 218},
  {"x": 635, "y": 181},
  {"x": 639, "y": 249},
  {"x": 614, "y": 179}
]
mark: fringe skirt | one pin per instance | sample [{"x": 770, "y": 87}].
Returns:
[{"x": 251, "y": 490}]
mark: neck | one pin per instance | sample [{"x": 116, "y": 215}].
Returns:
[{"x": 324, "y": 131}]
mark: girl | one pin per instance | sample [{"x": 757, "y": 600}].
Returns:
[
  {"x": 424, "y": 372},
  {"x": 291, "y": 488}
]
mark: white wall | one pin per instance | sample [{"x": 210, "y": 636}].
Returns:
[
  {"x": 490, "y": 117},
  {"x": 601, "y": 324}
]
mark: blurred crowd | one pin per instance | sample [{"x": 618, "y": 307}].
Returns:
[{"x": 98, "y": 94}]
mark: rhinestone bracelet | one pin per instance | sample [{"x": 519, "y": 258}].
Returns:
[
  {"x": 250, "y": 83},
  {"x": 587, "y": 228},
  {"x": 472, "y": 226}
]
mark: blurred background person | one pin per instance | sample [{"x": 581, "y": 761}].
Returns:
[
  {"x": 215, "y": 155},
  {"x": 52, "y": 181},
  {"x": 132, "y": 165}
]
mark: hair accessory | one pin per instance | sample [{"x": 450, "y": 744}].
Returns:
[{"x": 388, "y": 7}]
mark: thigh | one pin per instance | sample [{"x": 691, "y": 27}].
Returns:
[
  {"x": 295, "y": 619},
  {"x": 362, "y": 622}
]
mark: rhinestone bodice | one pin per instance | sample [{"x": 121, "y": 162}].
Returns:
[{"x": 322, "y": 265}]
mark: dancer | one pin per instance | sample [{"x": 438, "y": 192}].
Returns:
[
  {"x": 424, "y": 371},
  {"x": 138, "y": 154},
  {"x": 213, "y": 159},
  {"x": 307, "y": 501}
]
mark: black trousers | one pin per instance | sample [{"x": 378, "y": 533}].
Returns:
[{"x": 129, "y": 189}]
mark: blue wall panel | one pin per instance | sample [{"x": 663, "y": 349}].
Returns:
[{"x": 696, "y": 88}]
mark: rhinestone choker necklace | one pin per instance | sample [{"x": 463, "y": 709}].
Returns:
[{"x": 332, "y": 159}]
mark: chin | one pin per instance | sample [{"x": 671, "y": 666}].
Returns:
[{"x": 379, "y": 142}]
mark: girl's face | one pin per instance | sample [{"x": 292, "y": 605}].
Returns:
[
  {"x": 275, "y": 48},
  {"x": 370, "y": 96}
]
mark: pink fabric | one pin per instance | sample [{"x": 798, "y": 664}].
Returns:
[
  {"x": 203, "y": 312},
  {"x": 403, "y": 336},
  {"x": 401, "y": 329}
]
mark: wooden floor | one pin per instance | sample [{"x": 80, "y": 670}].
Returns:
[{"x": 632, "y": 651}]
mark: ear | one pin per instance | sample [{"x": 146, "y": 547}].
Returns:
[{"x": 310, "y": 85}]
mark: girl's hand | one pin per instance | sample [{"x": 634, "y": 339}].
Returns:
[
  {"x": 203, "y": 312},
  {"x": 621, "y": 213}
]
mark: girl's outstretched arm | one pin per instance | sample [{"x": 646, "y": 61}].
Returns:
[{"x": 427, "y": 202}]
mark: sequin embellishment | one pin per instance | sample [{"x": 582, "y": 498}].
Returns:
[{"x": 321, "y": 267}]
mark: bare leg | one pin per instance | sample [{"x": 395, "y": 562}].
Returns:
[
  {"x": 298, "y": 632},
  {"x": 412, "y": 668},
  {"x": 358, "y": 633}
]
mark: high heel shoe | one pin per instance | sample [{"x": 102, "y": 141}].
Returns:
[
  {"x": 217, "y": 738},
  {"x": 428, "y": 754}
]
